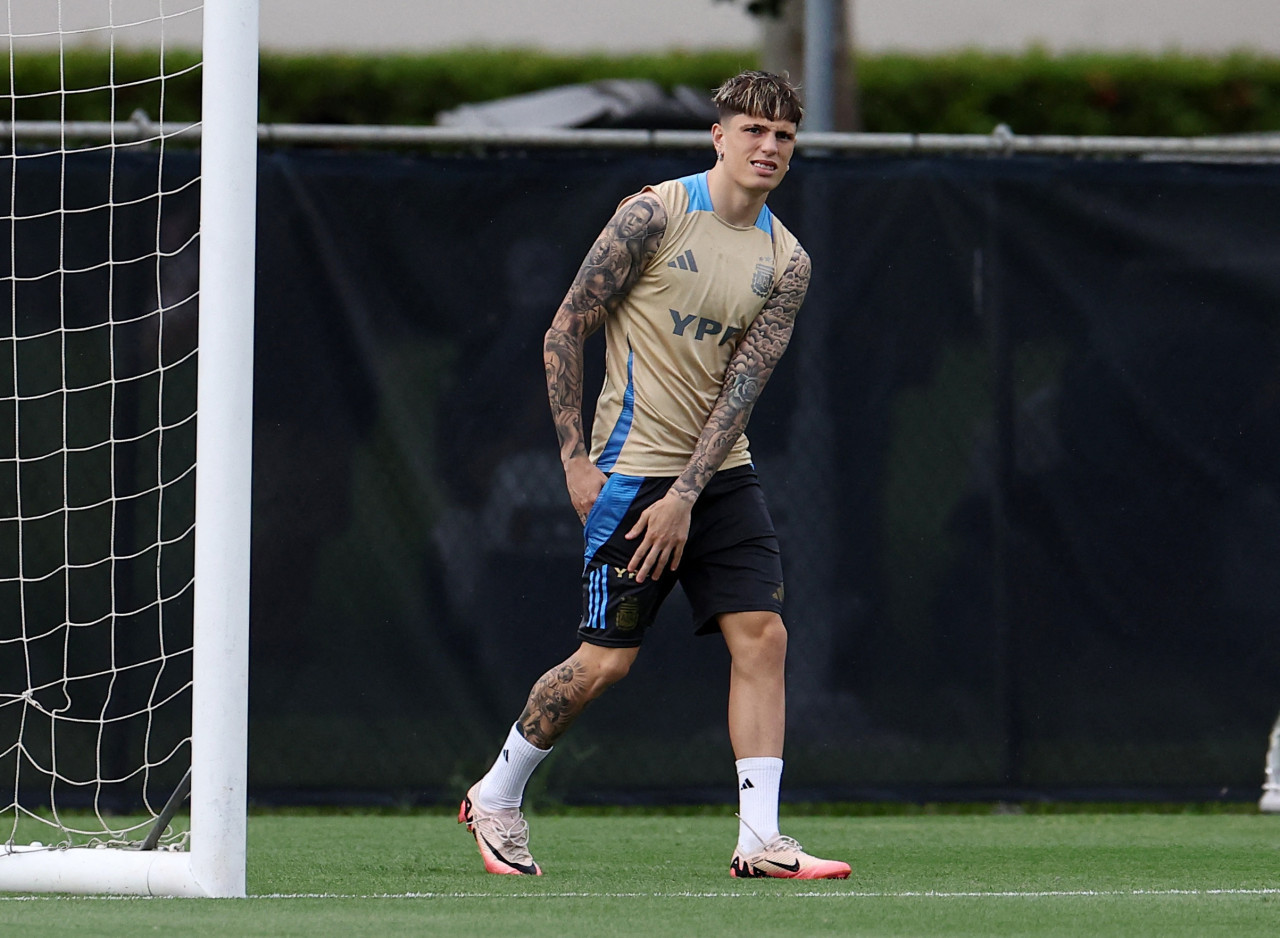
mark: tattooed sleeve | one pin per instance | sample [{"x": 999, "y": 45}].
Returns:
[{"x": 612, "y": 266}]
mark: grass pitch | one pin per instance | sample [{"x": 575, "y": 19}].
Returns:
[{"x": 987, "y": 874}]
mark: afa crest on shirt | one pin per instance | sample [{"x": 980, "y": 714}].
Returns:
[{"x": 762, "y": 280}]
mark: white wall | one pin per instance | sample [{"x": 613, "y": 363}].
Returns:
[
  {"x": 568, "y": 25},
  {"x": 628, "y": 25},
  {"x": 1211, "y": 26}
]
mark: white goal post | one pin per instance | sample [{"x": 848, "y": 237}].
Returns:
[
  {"x": 197, "y": 624},
  {"x": 1269, "y": 803}
]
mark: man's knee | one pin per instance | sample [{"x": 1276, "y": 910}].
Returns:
[
  {"x": 605, "y": 666},
  {"x": 755, "y": 635},
  {"x": 773, "y": 638}
]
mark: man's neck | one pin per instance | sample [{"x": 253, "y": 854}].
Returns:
[{"x": 737, "y": 206}]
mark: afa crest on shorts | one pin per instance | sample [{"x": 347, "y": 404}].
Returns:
[
  {"x": 627, "y": 616},
  {"x": 762, "y": 280}
]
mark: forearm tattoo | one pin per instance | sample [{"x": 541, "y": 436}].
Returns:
[
  {"x": 554, "y": 703},
  {"x": 612, "y": 266},
  {"x": 748, "y": 371}
]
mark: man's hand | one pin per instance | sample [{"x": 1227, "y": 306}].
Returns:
[
  {"x": 584, "y": 482},
  {"x": 664, "y": 529}
]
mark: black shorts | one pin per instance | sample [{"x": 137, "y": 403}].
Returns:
[{"x": 731, "y": 562}]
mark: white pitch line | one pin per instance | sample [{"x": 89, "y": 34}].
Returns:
[
  {"x": 926, "y": 894},
  {"x": 929, "y": 894}
]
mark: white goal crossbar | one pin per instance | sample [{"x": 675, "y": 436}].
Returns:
[{"x": 211, "y": 861}]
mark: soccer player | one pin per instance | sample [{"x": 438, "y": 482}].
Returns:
[{"x": 696, "y": 285}]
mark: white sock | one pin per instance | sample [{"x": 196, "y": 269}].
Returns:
[
  {"x": 503, "y": 785},
  {"x": 758, "y": 782}
]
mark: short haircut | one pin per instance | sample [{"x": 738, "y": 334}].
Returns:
[{"x": 759, "y": 94}]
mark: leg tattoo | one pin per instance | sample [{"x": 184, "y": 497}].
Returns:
[{"x": 554, "y": 703}]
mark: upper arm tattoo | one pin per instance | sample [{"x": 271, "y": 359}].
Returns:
[
  {"x": 749, "y": 369},
  {"x": 612, "y": 266}
]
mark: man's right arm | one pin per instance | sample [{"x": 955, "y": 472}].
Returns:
[{"x": 611, "y": 268}]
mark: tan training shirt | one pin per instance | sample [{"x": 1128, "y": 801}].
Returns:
[{"x": 670, "y": 341}]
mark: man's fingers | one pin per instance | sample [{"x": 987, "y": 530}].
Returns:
[
  {"x": 664, "y": 531},
  {"x": 585, "y": 483},
  {"x": 654, "y": 558},
  {"x": 584, "y": 506},
  {"x": 653, "y": 562},
  {"x": 641, "y": 523}
]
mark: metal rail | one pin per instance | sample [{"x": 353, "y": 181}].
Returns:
[{"x": 1000, "y": 142}]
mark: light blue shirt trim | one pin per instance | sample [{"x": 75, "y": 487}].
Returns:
[
  {"x": 613, "y": 446},
  {"x": 700, "y": 201}
]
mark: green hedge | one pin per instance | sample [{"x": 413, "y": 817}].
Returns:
[
  {"x": 968, "y": 92},
  {"x": 37, "y": 78},
  {"x": 1037, "y": 93}
]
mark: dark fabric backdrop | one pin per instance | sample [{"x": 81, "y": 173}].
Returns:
[{"x": 1023, "y": 457}]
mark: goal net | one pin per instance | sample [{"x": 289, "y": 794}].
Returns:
[{"x": 123, "y": 568}]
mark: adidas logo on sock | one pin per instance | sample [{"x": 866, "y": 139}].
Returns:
[
  {"x": 506, "y": 755},
  {"x": 684, "y": 262},
  {"x": 746, "y": 783}
]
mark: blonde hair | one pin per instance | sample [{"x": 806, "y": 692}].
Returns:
[{"x": 761, "y": 95}]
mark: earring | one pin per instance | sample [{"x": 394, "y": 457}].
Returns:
[{"x": 720, "y": 156}]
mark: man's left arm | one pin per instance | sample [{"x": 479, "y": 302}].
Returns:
[{"x": 664, "y": 526}]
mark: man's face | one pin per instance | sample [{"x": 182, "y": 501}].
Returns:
[{"x": 757, "y": 152}]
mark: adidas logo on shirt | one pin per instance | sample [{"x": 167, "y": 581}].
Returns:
[{"x": 684, "y": 262}]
